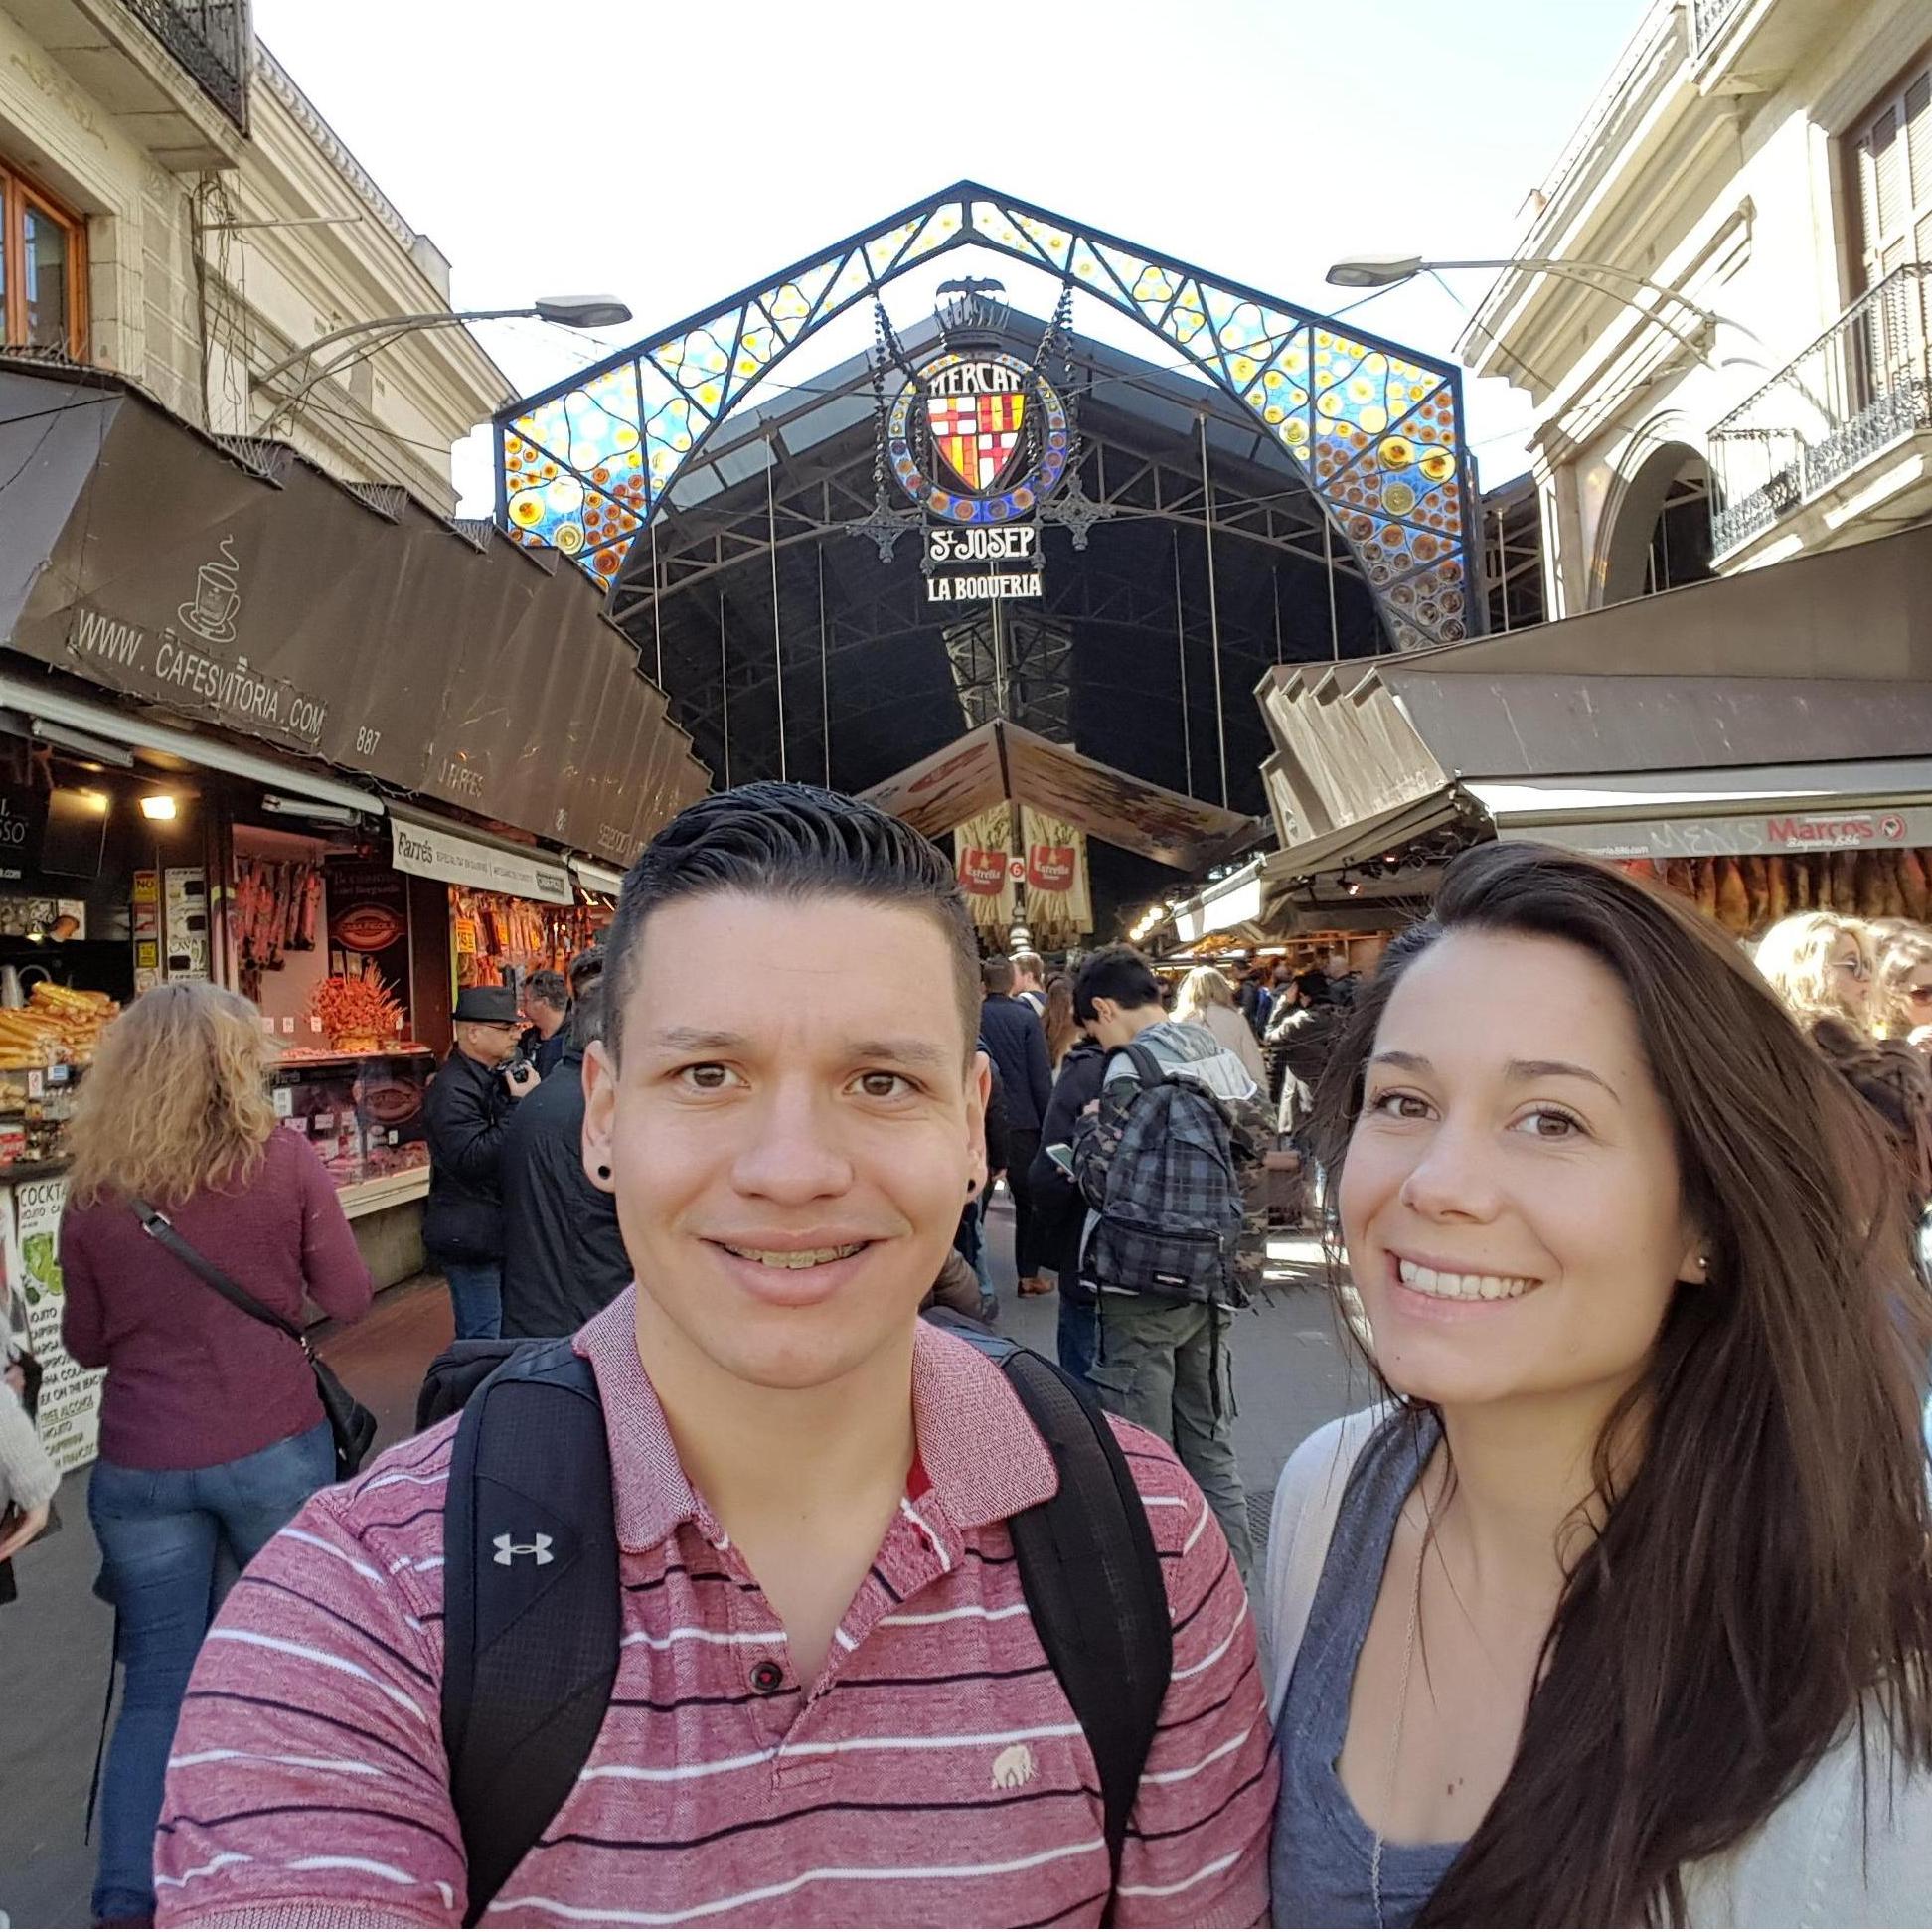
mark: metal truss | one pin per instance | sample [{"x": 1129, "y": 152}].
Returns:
[
  {"x": 1375, "y": 429},
  {"x": 821, "y": 499},
  {"x": 1010, "y": 661}
]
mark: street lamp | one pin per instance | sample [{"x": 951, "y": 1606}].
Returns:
[
  {"x": 1390, "y": 272},
  {"x": 567, "y": 311}
]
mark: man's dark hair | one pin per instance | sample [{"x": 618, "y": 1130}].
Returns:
[
  {"x": 586, "y": 969},
  {"x": 996, "y": 975},
  {"x": 1116, "y": 973},
  {"x": 791, "y": 843},
  {"x": 586, "y": 1023},
  {"x": 548, "y": 987}
]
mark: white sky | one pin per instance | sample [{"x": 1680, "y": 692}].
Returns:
[{"x": 670, "y": 154}]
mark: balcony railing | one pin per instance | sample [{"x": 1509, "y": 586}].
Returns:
[
  {"x": 1708, "y": 19},
  {"x": 212, "y": 40},
  {"x": 1865, "y": 384}
]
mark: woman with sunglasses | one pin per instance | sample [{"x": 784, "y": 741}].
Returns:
[
  {"x": 1619, "y": 1609},
  {"x": 1820, "y": 965}
]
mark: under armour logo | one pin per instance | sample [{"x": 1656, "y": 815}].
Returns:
[{"x": 538, "y": 1547}]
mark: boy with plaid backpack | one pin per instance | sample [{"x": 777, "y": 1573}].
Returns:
[{"x": 1170, "y": 1162}]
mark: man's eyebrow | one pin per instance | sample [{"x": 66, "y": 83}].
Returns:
[
  {"x": 696, "y": 1040},
  {"x": 1548, "y": 1070},
  {"x": 904, "y": 1049},
  {"x": 907, "y": 1050}
]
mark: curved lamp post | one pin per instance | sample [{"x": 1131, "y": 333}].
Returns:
[
  {"x": 1389, "y": 272},
  {"x": 567, "y": 311}
]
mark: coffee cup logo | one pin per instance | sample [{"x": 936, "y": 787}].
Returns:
[{"x": 217, "y": 602}]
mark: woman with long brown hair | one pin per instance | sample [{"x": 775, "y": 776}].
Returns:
[
  {"x": 212, "y": 1435},
  {"x": 1619, "y": 1611}
]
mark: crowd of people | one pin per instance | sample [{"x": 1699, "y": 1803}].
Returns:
[{"x": 1614, "y": 1608}]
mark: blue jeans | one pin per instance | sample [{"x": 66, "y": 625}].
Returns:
[
  {"x": 163, "y": 1534},
  {"x": 476, "y": 1296},
  {"x": 1080, "y": 1336}
]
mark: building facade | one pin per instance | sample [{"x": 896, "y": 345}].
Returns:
[
  {"x": 176, "y": 210},
  {"x": 1729, "y": 358}
]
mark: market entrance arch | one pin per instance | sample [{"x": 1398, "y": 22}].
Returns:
[{"x": 1375, "y": 429}]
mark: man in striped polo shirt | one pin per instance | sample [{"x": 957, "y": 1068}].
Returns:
[{"x": 831, "y": 1707}]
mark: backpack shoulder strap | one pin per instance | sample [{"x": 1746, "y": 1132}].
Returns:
[
  {"x": 532, "y": 1610},
  {"x": 1147, "y": 1065},
  {"x": 1093, "y": 1584}
]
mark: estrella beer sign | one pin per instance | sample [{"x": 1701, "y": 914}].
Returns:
[
  {"x": 979, "y": 441},
  {"x": 982, "y": 871},
  {"x": 1051, "y": 868}
]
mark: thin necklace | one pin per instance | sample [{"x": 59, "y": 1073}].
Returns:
[{"x": 1395, "y": 1738}]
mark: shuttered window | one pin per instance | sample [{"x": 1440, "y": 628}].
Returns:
[{"x": 1892, "y": 161}]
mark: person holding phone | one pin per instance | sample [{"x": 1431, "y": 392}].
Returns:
[{"x": 464, "y": 1120}]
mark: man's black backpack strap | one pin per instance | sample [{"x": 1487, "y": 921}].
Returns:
[
  {"x": 1091, "y": 1576},
  {"x": 531, "y": 1608},
  {"x": 1092, "y": 1581}
]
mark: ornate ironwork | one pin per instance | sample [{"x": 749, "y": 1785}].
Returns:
[
  {"x": 1376, "y": 431},
  {"x": 1076, "y": 510},
  {"x": 1708, "y": 19},
  {"x": 1863, "y": 386},
  {"x": 212, "y": 40}
]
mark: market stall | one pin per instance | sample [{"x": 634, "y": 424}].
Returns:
[
  {"x": 101, "y": 870},
  {"x": 1743, "y": 742}
]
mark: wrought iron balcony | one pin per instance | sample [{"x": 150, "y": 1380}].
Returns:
[
  {"x": 1708, "y": 19},
  {"x": 1863, "y": 386},
  {"x": 212, "y": 40}
]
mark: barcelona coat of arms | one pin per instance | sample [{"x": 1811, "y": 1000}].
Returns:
[{"x": 977, "y": 436}]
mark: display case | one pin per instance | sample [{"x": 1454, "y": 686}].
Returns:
[{"x": 363, "y": 1113}]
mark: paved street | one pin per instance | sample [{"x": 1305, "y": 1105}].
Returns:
[{"x": 1291, "y": 1375}]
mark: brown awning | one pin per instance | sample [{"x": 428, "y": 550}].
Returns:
[
  {"x": 1000, "y": 761},
  {"x": 236, "y": 583}
]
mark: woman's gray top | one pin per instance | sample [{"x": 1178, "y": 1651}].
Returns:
[{"x": 1323, "y": 1855}]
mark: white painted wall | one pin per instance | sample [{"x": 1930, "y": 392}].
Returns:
[
  {"x": 1723, "y": 182},
  {"x": 185, "y": 309}
]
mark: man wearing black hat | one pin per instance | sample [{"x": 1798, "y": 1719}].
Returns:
[{"x": 464, "y": 1119}]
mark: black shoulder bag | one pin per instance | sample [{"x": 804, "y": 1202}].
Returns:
[{"x": 352, "y": 1426}]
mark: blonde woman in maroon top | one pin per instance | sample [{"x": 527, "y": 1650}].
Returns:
[{"x": 212, "y": 1435}]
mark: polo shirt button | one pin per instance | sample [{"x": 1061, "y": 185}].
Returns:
[{"x": 767, "y": 1677}]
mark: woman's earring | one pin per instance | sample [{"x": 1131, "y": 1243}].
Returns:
[
  {"x": 972, "y": 1188},
  {"x": 604, "y": 1173}
]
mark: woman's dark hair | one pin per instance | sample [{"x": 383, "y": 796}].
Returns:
[
  {"x": 1116, "y": 973},
  {"x": 1760, "y": 1578},
  {"x": 790, "y": 842},
  {"x": 1061, "y": 1027}
]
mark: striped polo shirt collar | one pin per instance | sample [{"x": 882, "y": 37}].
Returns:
[{"x": 981, "y": 1453}]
